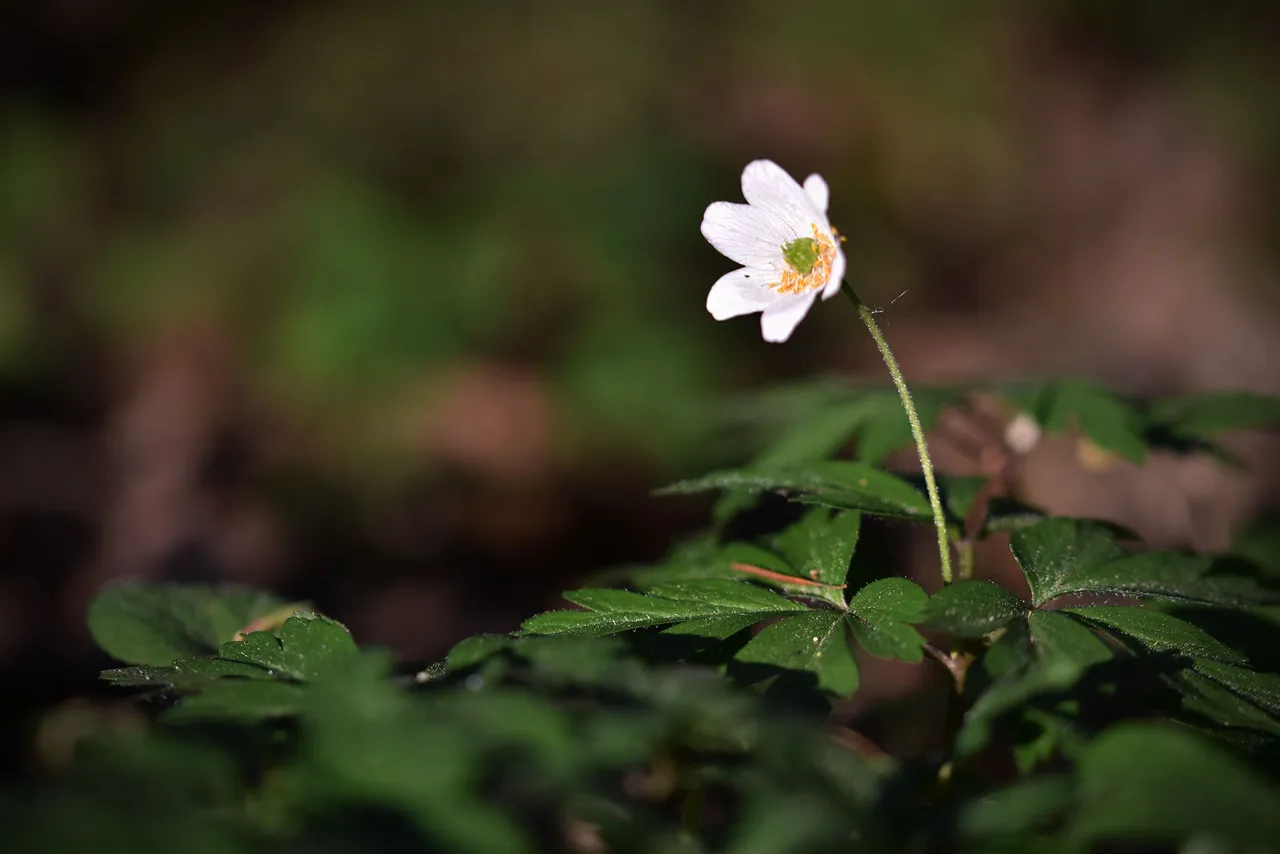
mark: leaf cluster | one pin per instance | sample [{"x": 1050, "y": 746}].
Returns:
[{"x": 1112, "y": 695}]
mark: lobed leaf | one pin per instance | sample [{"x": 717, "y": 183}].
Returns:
[
  {"x": 185, "y": 675},
  {"x": 612, "y": 611},
  {"x": 157, "y": 624},
  {"x": 882, "y": 613},
  {"x": 813, "y": 438},
  {"x": 471, "y": 651},
  {"x": 1228, "y": 696},
  {"x": 1052, "y": 552},
  {"x": 971, "y": 609},
  {"x": 1043, "y": 655},
  {"x": 832, "y": 483},
  {"x": 1167, "y": 575},
  {"x": 889, "y": 600},
  {"x": 1155, "y": 632},
  {"x": 1060, "y": 637},
  {"x": 816, "y": 643},
  {"x": 820, "y": 546},
  {"x": 308, "y": 647}
]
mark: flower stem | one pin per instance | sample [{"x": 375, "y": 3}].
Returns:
[{"x": 926, "y": 463}]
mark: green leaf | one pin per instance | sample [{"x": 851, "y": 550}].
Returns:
[
  {"x": 254, "y": 679},
  {"x": 1053, "y": 551},
  {"x": 158, "y": 624},
  {"x": 1261, "y": 689},
  {"x": 833, "y": 483},
  {"x": 889, "y": 640},
  {"x": 889, "y": 600},
  {"x": 885, "y": 428},
  {"x": 815, "y": 643},
  {"x": 239, "y": 700},
  {"x": 1210, "y": 413},
  {"x": 1214, "y": 682},
  {"x": 1157, "y": 632},
  {"x": 828, "y": 417},
  {"x": 1021, "y": 666},
  {"x": 144, "y": 790},
  {"x": 817, "y": 551},
  {"x": 309, "y": 646},
  {"x": 473, "y": 650},
  {"x": 1045, "y": 654},
  {"x": 816, "y": 437},
  {"x": 1153, "y": 784},
  {"x": 820, "y": 546},
  {"x": 708, "y": 562},
  {"x": 368, "y": 744},
  {"x": 612, "y": 611},
  {"x": 879, "y": 617},
  {"x": 581, "y": 661},
  {"x": 185, "y": 675},
  {"x": 1230, "y": 696},
  {"x": 883, "y": 611},
  {"x": 1060, "y": 637},
  {"x": 1112, "y": 423},
  {"x": 1061, "y": 556},
  {"x": 1167, "y": 575},
  {"x": 971, "y": 609}
]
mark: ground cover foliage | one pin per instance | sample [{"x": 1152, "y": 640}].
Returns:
[{"x": 1120, "y": 698}]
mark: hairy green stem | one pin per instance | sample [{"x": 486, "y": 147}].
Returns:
[{"x": 926, "y": 463}]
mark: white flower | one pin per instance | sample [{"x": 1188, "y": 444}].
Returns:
[{"x": 788, "y": 249}]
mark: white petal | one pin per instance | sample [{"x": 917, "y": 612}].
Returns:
[
  {"x": 768, "y": 187},
  {"x": 816, "y": 189},
  {"x": 747, "y": 235},
  {"x": 837, "y": 275},
  {"x": 780, "y": 319},
  {"x": 743, "y": 291}
]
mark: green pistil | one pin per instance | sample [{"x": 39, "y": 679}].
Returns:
[{"x": 801, "y": 254}]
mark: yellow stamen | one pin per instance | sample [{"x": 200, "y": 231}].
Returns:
[{"x": 795, "y": 282}]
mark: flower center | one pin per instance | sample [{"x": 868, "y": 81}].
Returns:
[
  {"x": 809, "y": 261},
  {"x": 801, "y": 254}
]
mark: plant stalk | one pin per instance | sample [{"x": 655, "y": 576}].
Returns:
[{"x": 917, "y": 432}]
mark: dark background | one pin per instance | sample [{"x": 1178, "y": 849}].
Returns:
[{"x": 398, "y": 306}]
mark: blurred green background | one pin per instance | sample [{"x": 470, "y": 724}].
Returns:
[{"x": 398, "y": 306}]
